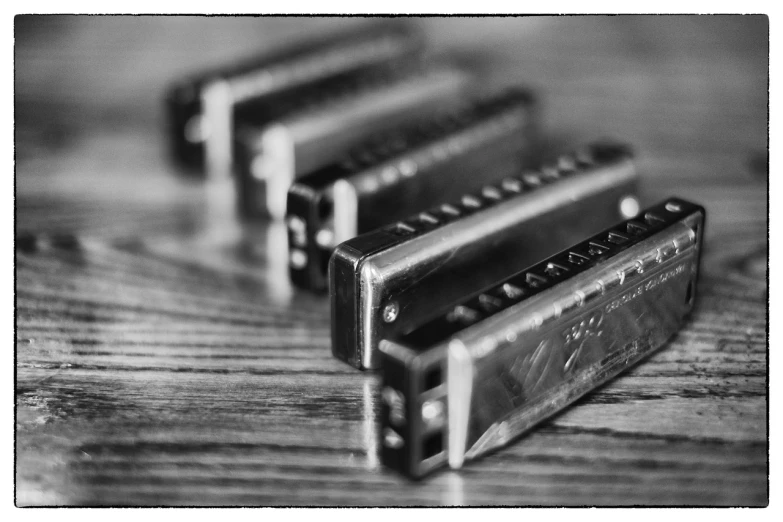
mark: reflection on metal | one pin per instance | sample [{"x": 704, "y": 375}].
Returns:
[
  {"x": 276, "y": 273},
  {"x": 278, "y": 171},
  {"x": 454, "y": 493},
  {"x": 345, "y": 211},
  {"x": 218, "y": 120},
  {"x": 220, "y": 189},
  {"x": 370, "y": 424}
]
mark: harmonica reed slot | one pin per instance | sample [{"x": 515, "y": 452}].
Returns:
[
  {"x": 450, "y": 210},
  {"x": 534, "y": 281},
  {"x": 470, "y": 202},
  {"x": 532, "y": 180},
  {"x": 463, "y": 315},
  {"x": 616, "y": 238},
  {"x": 512, "y": 185},
  {"x": 635, "y": 228},
  {"x": 491, "y": 193},
  {"x": 428, "y": 220},
  {"x": 510, "y": 291},
  {"x": 577, "y": 259},
  {"x": 489, "y": 303},
  {"x": 550, "y": 174},
  {"x": 584, "y": 159},
  {"x": 402, "y": 229},
  {"x": 554, "y": 270},
  {"x": 652, "y": 219},
  {"x": 566, "y": 165},
  {"x": 596, "y": 249}
]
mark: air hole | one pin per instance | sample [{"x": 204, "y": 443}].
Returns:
[
  {"x": 584, "y": 158},
  {"x": 596, "y": 249},
  {"x": 617, "y": 239},
  {"x": 398, "y": 144},
  {"x": 635, "y": 229},
  {"x": 463, "y": 314},
  {"x": 491, "y": 193},
  {"x": 433, "y": 378},
  {"x": 652, "y": 220},
  {"x": 427, "y": 219},
  {"x": 401, "y": 229},
  {"x": 381, "y": 150},
  {"x": 534, "y": 281},
  {"x": 349, "y": 164},
  {"x": 532, "y": 180},
  {"x": 566, "y": 165},
  {"x": 450, "y": 210},
  {"x": 510, "y": 291},
  {"x": 489, "y": 304},
  {"x": 576, "y": 259},
  {"x": 470, "y": 202},
  {"x": 433, "y": 445},
  {"x": 689, "y": 293},
  {"x": 550, "y": 173},
  {"x": 512, "y": 185},
  {"x": 365, "y": 157},
  {"x": 553, "y": 270}
]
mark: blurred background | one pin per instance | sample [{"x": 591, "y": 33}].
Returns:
[
  {"x": 690, "y": 92},
  {"x": 153, "y": 369}
]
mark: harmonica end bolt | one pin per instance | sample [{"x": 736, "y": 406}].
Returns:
[{"x": 390, "y": 312}]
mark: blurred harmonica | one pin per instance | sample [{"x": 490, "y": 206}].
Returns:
[
  {"x": 265, "y": 77},
  {"x": 515, "y": 353},
  {"x": 305, "y": 135},
  {"x": 389, "y": 281},
  {"x": 431, "y": 162}
]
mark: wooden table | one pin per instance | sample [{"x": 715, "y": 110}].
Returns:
[{"x": 158, "y": 363}]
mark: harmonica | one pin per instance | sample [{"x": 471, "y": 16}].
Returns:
[
  {"x": 410, "y": 169},
  {"x": 307, "y": 134},
  {"x": 508, "y": 357},
  {"x": 384, "y": 283},
  {"x": 261, "y": 79}
]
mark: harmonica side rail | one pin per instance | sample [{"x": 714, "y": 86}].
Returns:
[
  {"x": 387, "y": 282},
  {"x": 404, "y": 171},
  {"x": 499, "y": 362}
]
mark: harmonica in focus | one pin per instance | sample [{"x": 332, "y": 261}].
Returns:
[
  {"x": 406, "y": 170},
  {"x": 477, "y": 377},
  {"x": 263, "y": 78},
  {"x": 385, "y": 283},
  {"x": 303, "y": 135}
]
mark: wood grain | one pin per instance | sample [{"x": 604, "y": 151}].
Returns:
[{"x": 160, "y": 365}]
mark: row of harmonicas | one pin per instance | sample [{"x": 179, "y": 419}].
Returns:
[{"x": 490, "y": 285}]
